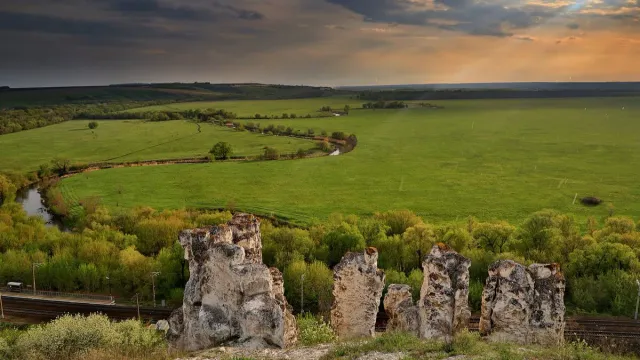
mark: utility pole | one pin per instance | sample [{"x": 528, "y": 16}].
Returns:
[
  {"x": 1, "y": 307},
  {"x": 109, "y": 281},
  {"x": 637, "y": 300},
  {"x": 302, "y": 294},
  {"x": 138, "y": 306},
  {"x": 33, "y": 272},
  {"x": 153, "y": 285}
]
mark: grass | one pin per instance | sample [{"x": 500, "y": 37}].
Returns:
[
  {"x": 126, "y": 140},
  {"x": 300, "y": 107},
  {"x": 493, "y": 159},
  {"x": 468, "y": 344}
]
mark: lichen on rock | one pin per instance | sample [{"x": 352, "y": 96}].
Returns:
[
  {"x": 357, "y": 289},
  {"x": 403, "y": 313}
]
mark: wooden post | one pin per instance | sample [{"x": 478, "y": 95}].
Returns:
[{"x": 1, "y": 306}]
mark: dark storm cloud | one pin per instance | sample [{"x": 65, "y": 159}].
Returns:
[
  {"x": 158, "y": 9},
  {"x": 476, "y": 17},
  {"x": 469, "y": 16},
  {"x": 36, "y": 23}
]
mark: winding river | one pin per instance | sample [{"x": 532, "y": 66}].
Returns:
[{"x": 31, "y": 201}]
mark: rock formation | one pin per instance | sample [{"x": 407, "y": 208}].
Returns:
[
  {"x": 547, "y": 311},
  {"x": 290, "y": 325},
  {"x": 242, "y": 230},
  {"x": 230, "y": 298},
  {"x": 444, "y": 296},
  {"x": 443, "y": 308},
  {"x": 357, "y": 288},
  {"x": 523, "y": 305},
  {"x": 399, "y": 306}
]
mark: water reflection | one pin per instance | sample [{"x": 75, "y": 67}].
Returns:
[{"x": 32, "y": 203}]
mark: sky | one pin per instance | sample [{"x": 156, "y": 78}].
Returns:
[{"x": 317, "y": 42}]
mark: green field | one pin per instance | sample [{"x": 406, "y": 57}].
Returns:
[
  {"x": 498, "y": 159},
  {"x": 128, "y": 140},
  {"x": 299, "y": 107}
]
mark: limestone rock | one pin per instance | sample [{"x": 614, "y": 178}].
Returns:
[
  {"x": 290, "y": 325},
  {"x": 357, "y": 288},
  {"x": 523, "y": 305},
  {"x": 506, "y": 300},
  {"x": 399, "y": 306},
  {"x": 229, "y": 298},
  {"x": 547, "y": 313},
  {"x": 242, "y": 230},
  {"x": 444, "y": 296}
]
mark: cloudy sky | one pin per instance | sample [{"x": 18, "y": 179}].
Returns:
[{"x": 323, "y": 42}]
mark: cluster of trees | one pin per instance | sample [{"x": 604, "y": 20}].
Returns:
[
  {"x": 14, "y": 120},
  {"x": 381, "y": 104},
  {"x": 345, "y": 109},
  {"x": 205, "y": 115},
  {"x": 600, "y": 264},
  {"x": 105, "y": 254}
]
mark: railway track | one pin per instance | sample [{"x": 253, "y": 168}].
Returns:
[{"x": 45, "y": 310}]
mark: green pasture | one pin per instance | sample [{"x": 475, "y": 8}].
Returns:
[
  {"x": 493, "y": 159},
  {"x": 244, "y": 108},
  {"x": 128, "y": 140}
]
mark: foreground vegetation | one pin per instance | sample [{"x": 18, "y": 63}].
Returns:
[
  {"x": 492, "y": 159},
  {"x": 95, "y": 337},
  {"x": 78, "y": 337}
]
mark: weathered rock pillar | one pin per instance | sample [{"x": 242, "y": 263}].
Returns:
[
  {"x": 523, "y": 305},
  {"x": 403, "y": 313},
  {"x": 547, "y": 313},
  {"x": 357, "y": 288},
  {"x": 444, "y": 297},
  {"x": 230, "y": 299}
]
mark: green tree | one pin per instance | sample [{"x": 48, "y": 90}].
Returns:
[
  {"x": 342, "y": 239},
  {"x": 93, "y": 125},
  {"x": 271, "y": 153},
  {"x": 493, "y": 236},
  {"x": 221, "y": 150},
  {"x": 347, "y": 108}
]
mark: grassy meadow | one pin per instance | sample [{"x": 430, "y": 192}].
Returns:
[
  {"x": 128, "y": 140},
  {"x": 493, "y": 159}
]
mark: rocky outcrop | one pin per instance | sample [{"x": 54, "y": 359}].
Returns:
[
  {"x": 357, "y": 288},
  {"x": 523, "y": 305},
  {"x": 444, "y": 297},
  {"x": 399, "y": 306},
  {"x": 547, "y": 312},
  {"x": 290, "y": 325},
  {"x": 242, "y": 230},
  {"x": 230, "y": 298},
  {"x": 443, "y": 308}
]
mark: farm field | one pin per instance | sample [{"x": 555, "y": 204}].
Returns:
[
  {"x": 128, "y": 140},
  {"x": 498, "y": 159},
  {"x": 244, "y": 108}
]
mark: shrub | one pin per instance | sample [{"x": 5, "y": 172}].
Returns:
[
  {"x": 70, "y": 337},
  {"x": 93, "y": 125},
  {"x": 271, "y": 153},
  {"x": 210, "y": 219},
  {"x": 313, "y": 330}
]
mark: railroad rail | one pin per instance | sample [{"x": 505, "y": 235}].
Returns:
[{"x": 46, "y": 310}]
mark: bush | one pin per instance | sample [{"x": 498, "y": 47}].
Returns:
[
  {"x": 271, "y": 153},
  {"x": 93, "y": 125},
  {"x": 70, "y": 336},
  {"x": 221, "y": 150},
  {"x": 313, "y": 330}
]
